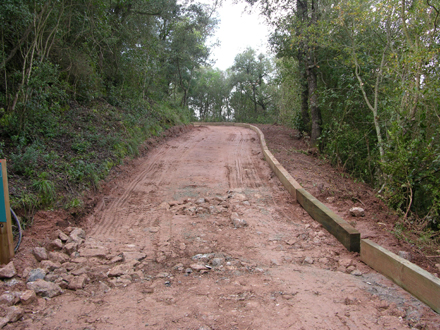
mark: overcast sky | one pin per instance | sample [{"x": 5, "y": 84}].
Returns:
[{"x": 237, "y": 31}]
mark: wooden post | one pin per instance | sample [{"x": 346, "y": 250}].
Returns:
[{"x": 6, "y": 240}]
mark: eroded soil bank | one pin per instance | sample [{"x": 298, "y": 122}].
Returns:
[{"x": 199, "y": 234}]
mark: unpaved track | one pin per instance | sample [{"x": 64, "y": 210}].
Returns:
[{"x": 262, "y": 279}]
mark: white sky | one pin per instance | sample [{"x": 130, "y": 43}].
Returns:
[{"x": 237, "y": 31}]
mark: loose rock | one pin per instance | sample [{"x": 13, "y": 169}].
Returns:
[
  {"x": 357, "y": 212},
  {"x": 58, "y": 257},
  {"x": 8, "y": 299},
  {"x": 45, "y": 289},
  {"x": 309, "y": 260},
  {"x": 198, "y": 267},
  {"x": 49, "y": 265},
  {"x": 56, "y": 244},
  {"x": 14, "y": 313},
  {"x": 98, "y": 252},
  {"x": 40, "y": 253},
  {"x": 8, "y": 271},
  {"x": 71, "y": 247},
  {"x": 134, "y": 256},
  {"x": 78, "y": 282},
  {"x": 36, "y": 274},
  {"x": 123, "y": 269},
  {"x": 77, "y": 235},
  {"x": 63, "y": 237},
  {"x": 28, "y": 297}
]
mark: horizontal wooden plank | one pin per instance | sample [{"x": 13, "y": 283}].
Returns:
[
  {"x": 334, "y": 224},
  {"x": 412, "y": 278}
]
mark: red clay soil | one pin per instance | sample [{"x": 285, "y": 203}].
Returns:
[{"x": 199, "y": 234}]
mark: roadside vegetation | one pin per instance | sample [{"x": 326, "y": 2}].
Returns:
[{"x": 85, "y": 83}]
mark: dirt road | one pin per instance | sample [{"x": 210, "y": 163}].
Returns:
[{"x": 203, "y": 236}]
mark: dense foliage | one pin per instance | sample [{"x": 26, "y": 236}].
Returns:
[
  {"x": 377, "y": 90},
  {"x": 83, "y": 83}
]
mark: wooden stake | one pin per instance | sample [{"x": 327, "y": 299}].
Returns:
[{"x": 6, "y": 239}]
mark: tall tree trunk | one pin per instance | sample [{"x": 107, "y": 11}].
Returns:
[
  {"x": 301, "y": 11},
  {"x": 315, "y": 111}
]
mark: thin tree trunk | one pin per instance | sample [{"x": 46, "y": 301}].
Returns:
[{"x": 305, "y": 118}]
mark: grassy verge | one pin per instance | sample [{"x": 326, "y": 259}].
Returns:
[{"x": 70, "y": 153}]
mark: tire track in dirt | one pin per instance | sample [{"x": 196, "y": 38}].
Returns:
[{"x": 281, "y": 271}]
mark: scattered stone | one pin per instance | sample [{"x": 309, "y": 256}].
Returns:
[
  {"x": 51, "y": 277},
  {"x": 62, "y": 236},
  {"x": 69, "y": 266},
  {"x": 3, "y": 321},
  {"x": 12, "y": 282},
  {"x": 309, "y": 260},
  {"x": 345, "y": 262},
  {"x": 71, "y": 247},
  {"x": 116, "y": 259},
  {"x": 182, "y": 246},
  {"x": 356, "y": 272},
  {"x": 239, "y": 223},
  {"x": 357, "y": 212},
  {"x": 154, "y": 229},
  {"x": 98, "y": 252},
  {"x": 14, "y": 313},
  {"x": 188, "y": 271},
  {"x": 49, "y": 265},
  {"x": 200, "y": 201},
  {"x": 137, "y": 276},
  {"x": 40, "y": 253},
  {"x": 405, "y": 255},
  {"x": 9, "y": 299},
  {"x": 198, "y": 267},
  {"x": 78, "y": 235},
  {"x": 246, "y": 203},
  {"x": 80, "y": 271},
  {"x": 162, "y": 275},
  {"x": 239, "y": 197},
  {"x": 123, "y": 269},
  {"x": 36, "y": 274},
  {"x": 289, "y": 242},
  {"x": 104, "y": 287},
  {"x": 203, "y": 257},
  {"x": 56, "y": 244},
  {"x": 330, "y": 199},
  {"x": 79, "y": 260},
  {"x": 216, "y": 262},
  {"x": 179, "y": 267},
  {"x": 44, "y": 288},
  {"x": 28, "y": 297},
  {"x": 437, "y": 266},
  {"x": 148, "y": 290},
  {"x": 60, "y": 271},
  {"x": 78, "y": 282},
  {"x": 134, "y": 256},
  {"x": 350, "y": 269},
  {"x": 160, "y": 259},
  {"x": 58, "y": 257},
  {"x": 8, "y": 271}
]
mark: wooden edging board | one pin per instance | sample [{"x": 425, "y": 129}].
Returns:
[
  {"x": 407, "y": 275},
  {"x": 412, "y": 278}
]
